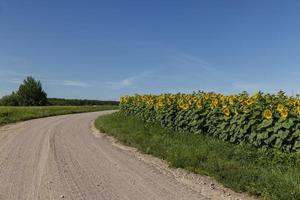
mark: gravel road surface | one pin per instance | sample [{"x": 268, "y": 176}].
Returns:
[{"x": 62, "y": 158}]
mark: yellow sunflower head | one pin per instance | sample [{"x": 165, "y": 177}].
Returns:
[
  {"x": 298, "y": 109},
  {"x": 124, "y": 99},
  {"x": 215, "y": 102},
  {"x": 226, "y": 111},
  {"x": 280, "y": 107},
  {"x": 183, "y": 105},
  {"x": 268, "y": 114},
  {"x": 249, "y": 102},
  {"x": 231, "y": 101},
  {"x": 160, "y": 104},
  {"x": 199, "y": 104},
  {"x": 284, "y": 113}
]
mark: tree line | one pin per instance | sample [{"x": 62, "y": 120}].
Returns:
[
  {"x": 31, "y": 93},
  {"x": 78, "y": 102}
]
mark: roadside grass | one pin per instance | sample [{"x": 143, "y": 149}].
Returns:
[
  {"x": 263, "y": 173},
  {"x": 9, "y": 114}
]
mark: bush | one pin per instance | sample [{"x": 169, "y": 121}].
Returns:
[{"x": 10, "y": 100}]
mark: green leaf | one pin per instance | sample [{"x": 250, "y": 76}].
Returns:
[
  {"x": 297, "y": 133},
  {"x": 288, "y": 124},
  {"x": 256, "y": 113},
  {"x": 233, "y": 127},
  {"x": 283, "y": 134},
  {"x": 223, "y": 125},
  {"x": 277, "y": 126},
  {"x": 252, "y": 135},
  {"x": 265, "y": 124},
  {"x": 252, "y": 121},
  {"x": 263, "y": 135},
  {"x": 296, "y": 145},
  {"x": 247, "y": 126},
  {"x": 270, "y": 139},
  {"x": 278, "y": 143}
]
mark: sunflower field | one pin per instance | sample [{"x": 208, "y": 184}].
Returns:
[{"x": 262, "y": 120}]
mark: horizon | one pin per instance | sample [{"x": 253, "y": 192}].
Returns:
[
  {"x": 117, "y": 99},
  {"x": 103, "y": 50}
]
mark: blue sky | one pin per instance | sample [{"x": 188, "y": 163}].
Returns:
[{"x": 104, "y": 49}]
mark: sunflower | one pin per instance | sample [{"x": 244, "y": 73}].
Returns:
[
  {"x": 257, "y": 95},
  {"x": 124, "y": 99},
  {"x": 199, "y": 104},
  {"x": 226, "y": 111},
  {"x": 160, "y": 104},
  {"x": 268, "y": 114},
  {"x": 215, "y": 102},
  {"x": 183, "y": 106},
  {"x": 249, "y": 102},
  {"x": 231, "y": 101},
  {"x": 280, "y": 107},
  {"x": 298, "y": 109},
  {"x": 212, "y": 106},
  {"x": 284, "y": 113},
  {"x": 169, "y": 102}
]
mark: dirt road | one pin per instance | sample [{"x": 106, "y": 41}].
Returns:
[{"x": 60, "y": 158}]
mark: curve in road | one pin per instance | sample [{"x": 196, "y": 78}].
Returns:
[{"x": 60, "y": 158}]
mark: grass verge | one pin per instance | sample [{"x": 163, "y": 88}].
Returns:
[
  {"x": 266, "y": 174},
  {"x": 14, "y": 114}
]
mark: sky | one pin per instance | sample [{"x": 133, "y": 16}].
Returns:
[{"x": 103, "y": 49}]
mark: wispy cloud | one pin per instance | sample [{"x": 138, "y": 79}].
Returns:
[
  {"x": 188, "y": 60},
  {"x": 165, "y": 70},
  {"x": 130, "y": 81},
  {"x": 66, "y": 83}
]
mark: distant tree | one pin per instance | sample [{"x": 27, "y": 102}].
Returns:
[
  {"x": 31, "y": 93},
  {"x": 10, "y": 100}
]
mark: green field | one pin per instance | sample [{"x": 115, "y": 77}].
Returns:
[
  {"x": 15, "y": 114},
  {"x": 265, "y": 173}
]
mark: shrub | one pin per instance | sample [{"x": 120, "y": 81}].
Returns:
[{"x": 10, "y": 100}]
